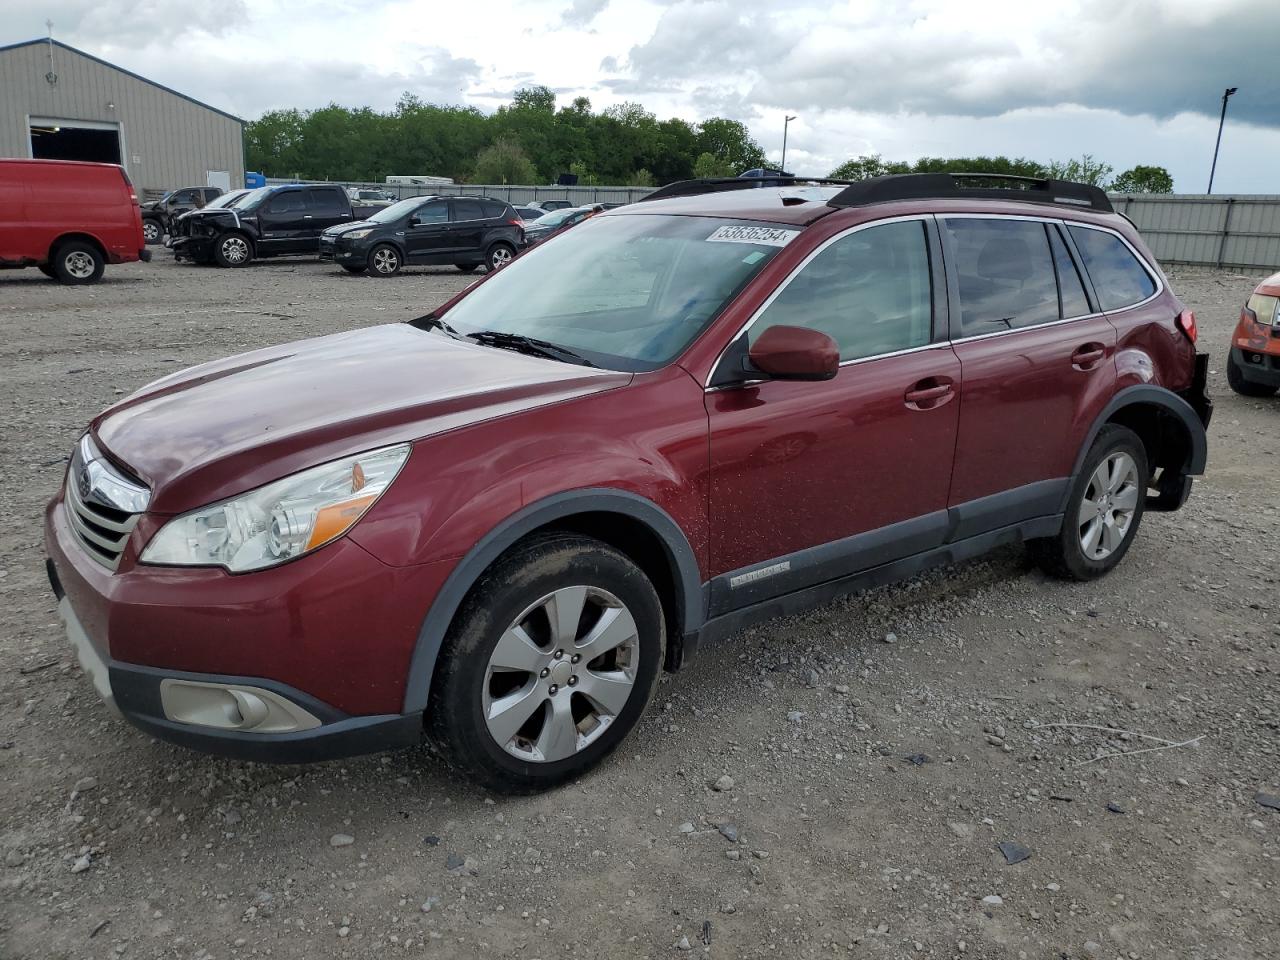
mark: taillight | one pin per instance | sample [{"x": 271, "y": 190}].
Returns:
[
  {"x": 1187, "y": 324},
  {"x": 128, "y": 183},
  {"x": 516, "y": 222}
]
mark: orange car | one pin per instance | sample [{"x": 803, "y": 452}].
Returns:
[{"x": 1253, "y": 367}]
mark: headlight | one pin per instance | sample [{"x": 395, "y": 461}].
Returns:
[
  {"x": 280, "y": 521},
  {"x": 357, "y": 234}
]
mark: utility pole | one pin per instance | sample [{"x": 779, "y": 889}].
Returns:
[
  {"x": 785, "y": 123},
  {"x": 1221, "y": 120}
]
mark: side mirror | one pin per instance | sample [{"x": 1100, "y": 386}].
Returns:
[{"x": 795, "y": 353}]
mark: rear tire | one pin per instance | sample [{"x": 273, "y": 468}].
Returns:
[
  {"x": 507, "y": 709},
  {"x": 1237, "y": 382},
  {"x": 384, "y": 261},
  {"x": 1103, "y": 512},
  {"x": 78, "y": 263},
  {"x": 499, "y": 255},
  {"x": 232, "y": 250}
]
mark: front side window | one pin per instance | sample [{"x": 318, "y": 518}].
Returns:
[
  {"x": 1005, "y": 274},
  {"x": 291, "y": 202},
  {"x": 626, "y": 292},
  {"x": 1118, "y": 278},
  {"x": 869, "y": 291}
]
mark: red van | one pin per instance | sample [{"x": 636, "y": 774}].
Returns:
[{"x": 67, "y": 218}]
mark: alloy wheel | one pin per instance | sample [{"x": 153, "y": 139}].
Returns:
[
  {"x": 561, "y": 674},
  {"x": 79, "y": 265},
  {"x": 1110, "y": 502},
  {"x": 385, "y": 260},
  {"x": 150, "y": 231},
  {"x": 235, "y": 250},
  {"x": 500, "y": 257}
]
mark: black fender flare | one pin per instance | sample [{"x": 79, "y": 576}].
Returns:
[
  {"x": 1151, "y": 395},
  {"x": 687, "y": 578}
]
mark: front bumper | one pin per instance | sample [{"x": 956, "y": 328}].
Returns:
[
  {"x": 138, "y": 694},
  {"x": 343, "y": 252},
  {"x": 1259, "y": 368}
]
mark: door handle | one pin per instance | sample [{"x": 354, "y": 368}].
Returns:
[
  {"x": 306, "y": 216},
  {"x": 929, "y": 393},
  {"x": 1087, "y": 355}
]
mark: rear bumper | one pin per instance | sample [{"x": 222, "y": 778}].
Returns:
[
  {"x": 1259, "y": 368},
  {"x": 1197, "y": 395}
]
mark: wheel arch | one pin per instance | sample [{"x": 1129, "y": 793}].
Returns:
[
  {"x": 1171, "y": 432},
  {"x": 631, "y": 523},
  {"x": 73, "y": 237}
]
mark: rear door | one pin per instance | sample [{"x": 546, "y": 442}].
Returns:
[
  {"x": 426, "y": 232},
  {"x": 328, "y": 206},
  {"x": 1038, "y": 366},
  {"x": 466, "y": 227}
]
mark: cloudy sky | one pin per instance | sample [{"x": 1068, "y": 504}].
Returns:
[{"x": 1129, "y": 81}]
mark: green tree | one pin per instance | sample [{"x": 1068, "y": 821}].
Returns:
[
  {"x": 708, "y": 165},
  {"x": 642, "y": 178},
  {"x": 866, "y": 167},
  {"x": 1141, "y": 179},
  {"x": 730, "y": 143},
  {"x": 503, "y": 162},
  {"x": 585, "y": 177},
  {"x": 1085, "y": 170},
  {"x": 1015, "y": 167}
]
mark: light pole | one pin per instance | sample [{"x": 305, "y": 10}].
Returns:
[
  {"x": 785, "y": 123},
  {"x": 1221, "y": 121}
]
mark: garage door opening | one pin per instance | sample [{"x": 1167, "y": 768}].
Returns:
[{"x": 58, "y": 140}]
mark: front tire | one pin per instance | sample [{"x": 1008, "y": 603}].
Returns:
[
  {"x": 78, "y": 263},
  {"x": 232, "y": 250},
  {"x": 384, "y": 261},
  {"x": 467, "y": 267},
  {"x": 1104, "y": 509},
  {"x": 151, "y": 231},
  {"x": 353, "y": 267},
  {"x": 548, "y": 664},
  {"x": 1237, "y": 382}
]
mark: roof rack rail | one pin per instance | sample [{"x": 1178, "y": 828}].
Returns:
[
  {"x": 691, "y": 188},
  {"x": 971, "y": 186}
]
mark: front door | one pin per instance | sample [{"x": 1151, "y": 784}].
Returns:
[
  {"x": 284, "y": 223},
  {"x": 813, "y": 481},
  {"x": 1038, "y": 363},
  {"x": 426, "y": 232}
]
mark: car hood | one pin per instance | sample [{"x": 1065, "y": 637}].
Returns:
[
  {"x": 1270, "y": 287},
  {"x": 348, "y": 227},
  {"x": 221, "y": 428}
]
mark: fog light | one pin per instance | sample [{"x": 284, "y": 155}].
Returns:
[{"x": 231, "y": 707}]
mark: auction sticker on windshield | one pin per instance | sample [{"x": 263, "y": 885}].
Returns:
[{"x": 769, "y": 236}]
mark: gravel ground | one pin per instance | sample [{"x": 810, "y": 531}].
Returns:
[{"x": 875, "y": 753}]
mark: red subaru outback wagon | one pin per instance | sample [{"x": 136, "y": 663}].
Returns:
[{"x": 496, "y": 524}]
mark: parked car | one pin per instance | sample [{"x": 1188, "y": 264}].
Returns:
[
  {"x": 529, "y": 213},
  {"x": 158, "y": 215},
  {"x": 549, "y": 205},
  {"x": 554, "y": 222},
  {"x": 266, "y": 222},
  {"x": 500, "y": 521},
  {"x": 68, "y": 219},
  {"x": 465, "y": 231},
  {"x": 370, "y": 198},
  {"x": 1253, "y": 362}
]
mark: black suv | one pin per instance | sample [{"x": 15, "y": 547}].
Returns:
[
  {"x": 269, "y": 222},
  {"x": 158, "y": 215},
  {"x": 464, "y": 231}
]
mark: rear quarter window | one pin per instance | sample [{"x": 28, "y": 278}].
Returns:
[{"x": 1119, "y": 279}]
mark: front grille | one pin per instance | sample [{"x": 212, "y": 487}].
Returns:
[{"x": 102, "y": 504}]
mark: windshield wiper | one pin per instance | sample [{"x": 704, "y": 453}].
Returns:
[
  {"x": 432, "y": 322},
  {"x": 530, "y": 345}
]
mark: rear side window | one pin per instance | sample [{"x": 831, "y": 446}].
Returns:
[
  {"x": 467, "y": 210},
  {"x": 329, "y": 201},
  {"x": 1118, "y": 278},
  {"x": 1005, "y": 273},
  {"x": 494, "y": 209},
  {"x": 1074, "y": 301},
  {"x": 869, "y": 291}
]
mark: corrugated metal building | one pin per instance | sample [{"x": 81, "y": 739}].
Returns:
[{"x": 57, "y": 102}]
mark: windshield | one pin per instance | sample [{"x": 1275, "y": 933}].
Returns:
[
  {"x": 226, "y": 200},
  {"x": 253, "y": 198},
  {"x": 626, "y": 292},
  {"x": 401, "y": 208}
]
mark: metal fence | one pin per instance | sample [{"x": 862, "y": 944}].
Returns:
[{"x": 1222, "y": 231}]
